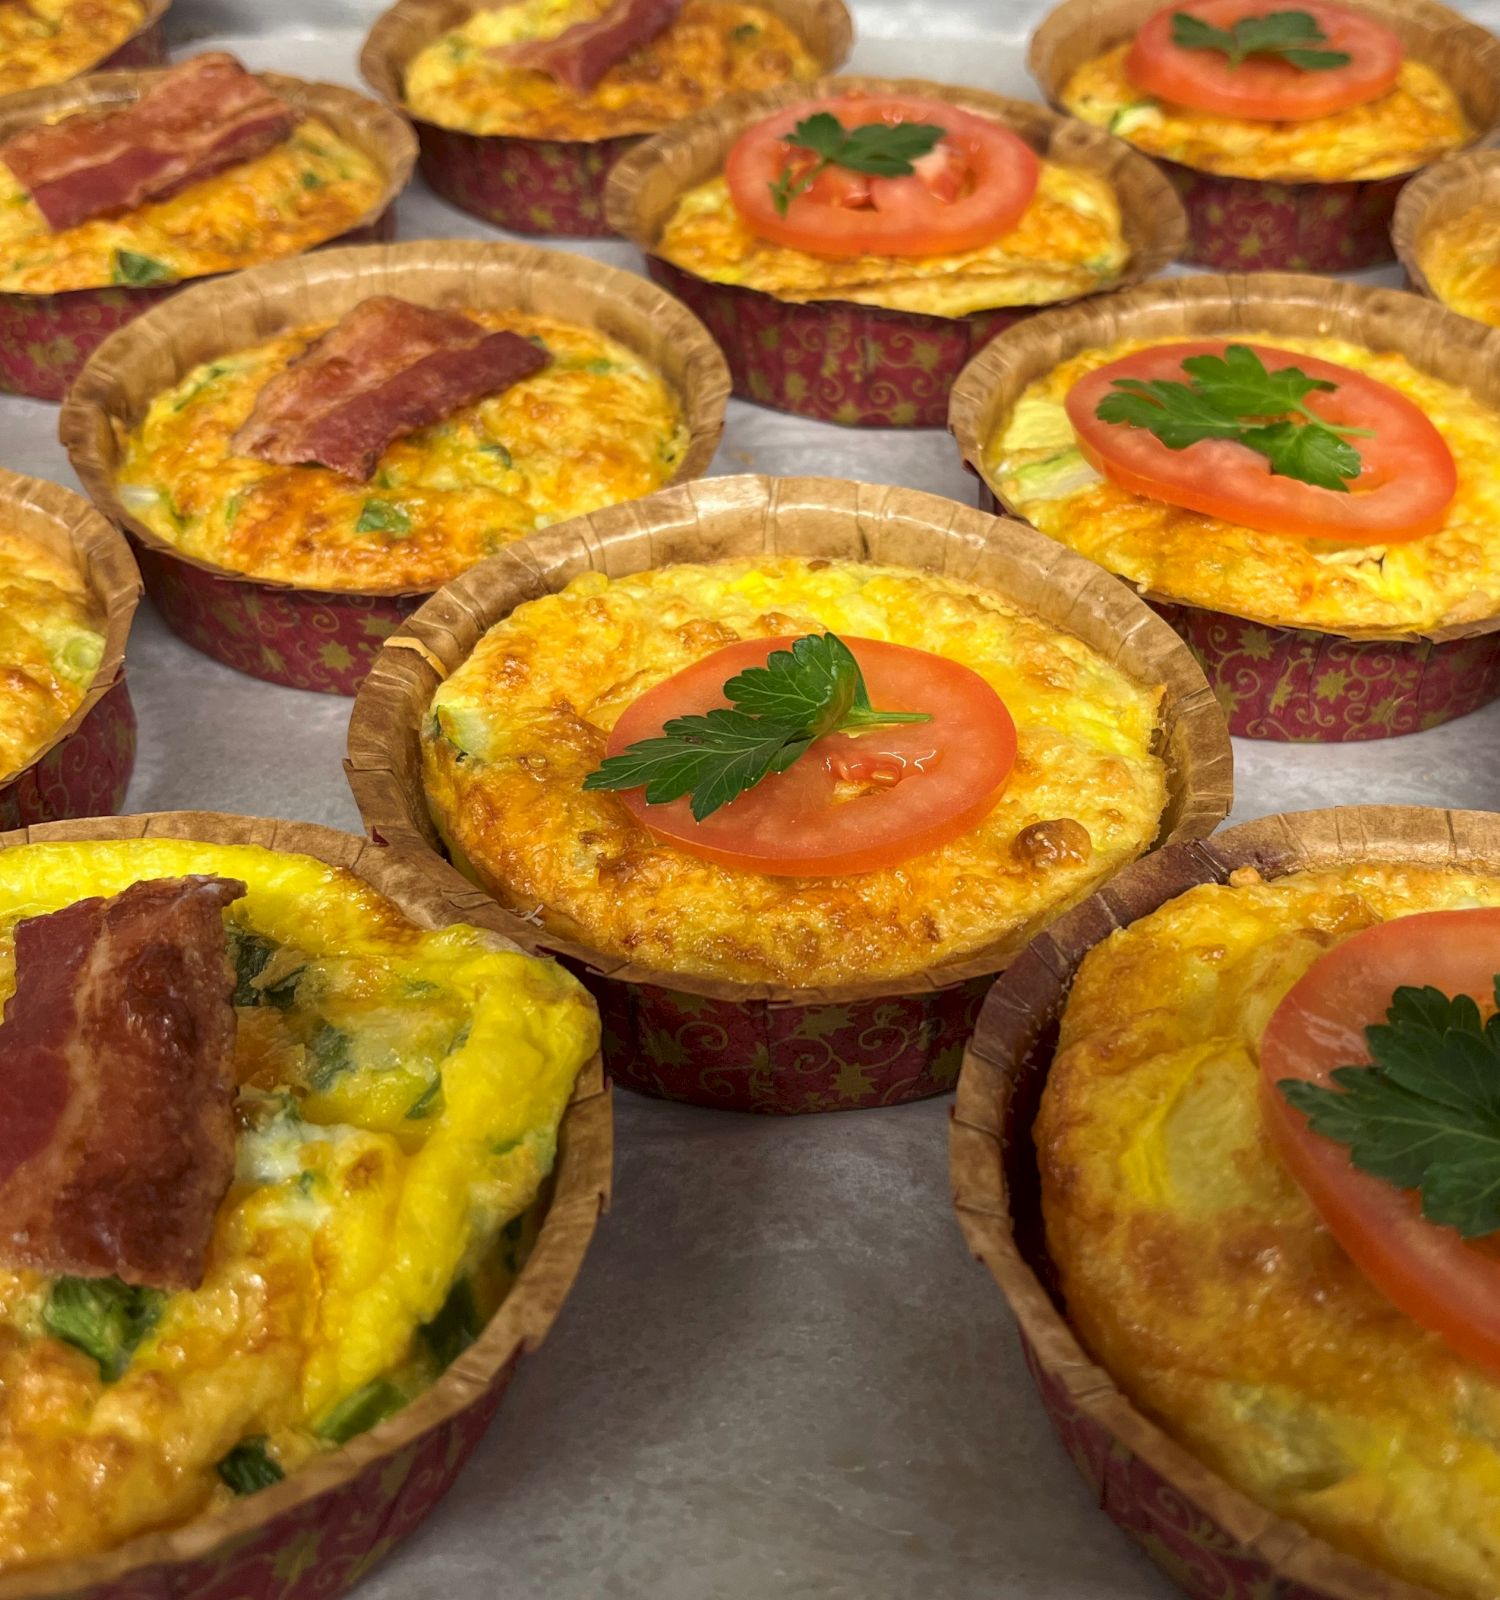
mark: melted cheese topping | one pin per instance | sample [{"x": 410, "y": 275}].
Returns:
[
  {"x": 714, "y": 48},
  {"x": 1461, "y": 261},
  {"x": 46, "y": 41},
  {"x": 1068, "y": 242},
  {"x": 1418, "y": 121},
  {"x": 1451, "y": 576},
  {"x": 1196, "y": 1270},
  {"x": 51, "y": 644},
  {"x": 400, "y": 1097},
  {"x": 310, "y": 188},
  {"x": 595, "y": 427},
  {"x": 515, "y": 730}
]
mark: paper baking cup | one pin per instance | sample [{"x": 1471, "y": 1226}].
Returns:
[
  {"x": 833, "y": 360},
  {"x": 1434, "y": 201},
  {"x": 83, "y": 770},
  {"x": 537, "y": 186},
  {"x": 1282, "y": 221},
  {"x": 768, "y": 1047},
  {"x": 326, "y": 639},
  {"x": 1275, "y": 682},
  {"x": 320, "y": 1531},
  {"x": 45, "y": 339},
  {"x": 1212, "y": 1539}
]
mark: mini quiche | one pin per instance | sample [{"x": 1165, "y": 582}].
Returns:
[
  {"x": 1305, "y": 1298},
  {"x": 1446, "y": 237},
  {"x": 46, "y": 41},
  {"x": 789, "y": 771},
  {"x": 307, "y": 1196},
  {"x": 51, "y": 644}
]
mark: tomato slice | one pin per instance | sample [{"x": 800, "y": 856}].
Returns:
[
  {"x": 1405, "y": 486},
  {"x": 1448, "y": 1284},
  {"x": 853, "y": 802},
  {"x": 1265, "y": 88},
  {"x": 967, "y": 192}
]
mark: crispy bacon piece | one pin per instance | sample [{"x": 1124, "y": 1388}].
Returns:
[
  {"x": 117, "y": 1085},
  {"x": 386, "y": 370},
  {"x": 580, "y": 56},
  {"x": 201, "y": 117}
]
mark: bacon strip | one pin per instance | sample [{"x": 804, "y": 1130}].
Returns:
[
  {"x": 201, "y": 117},
  {"x": 580, "y": 56},
  {"x": 387, "y": 369},
  {"x": 117, "y": 1085}
]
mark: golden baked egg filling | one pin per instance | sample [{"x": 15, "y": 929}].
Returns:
[
  {"x": 46, "y": 41},
  {"x": 1461, "y": 261}
]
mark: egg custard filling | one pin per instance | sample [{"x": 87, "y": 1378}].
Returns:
[
  {"x": 51, "y": 644},
  {"x": 515, "y": 733},
  {"x": 596, "y": 426},
  {"x": 398, "y": 1097},
  {"x": 1254, "y": 1314},
  {"x": 1335, "y": 553},
  {"x": 46, "y": 41},
  {"x": 972, "y": 222},
  {"x": 713, "y": 48},
  {"x": 1461, "y": 261}
]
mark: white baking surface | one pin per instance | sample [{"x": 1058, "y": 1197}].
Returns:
[{"x": 780, "y": 1375}]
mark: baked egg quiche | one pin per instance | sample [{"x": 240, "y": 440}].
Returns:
[
  {"x": 391, "y": 1107},
  {"x": 937, "y": 771},
  {"x": 967, "y": 219},
  {"x": 533, "y": 70},
  {"x": 46, "y": 41},
  {"x": 1237, "y": 1239},
  {"x": 1305, "y": 92},
  {"x": 1460, "y": 259},
  {"x": 51, "y": 644},
  {"x": 1318, "y": 484},
  {"x": 595, "y": 425}
]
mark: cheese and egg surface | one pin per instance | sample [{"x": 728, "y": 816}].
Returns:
[
  {"x": 400, "y": 1092},
  {"x": 1446, "y": 578},
  {"x": 598, "y": 425},
  {"x": 1069, "y": 242},
  {"x": 46, "y": 41},
  {"x": 1461, "y": 261},
  {"x": 308, "y": 189},
  {"x": 1196, "y": 1270},
  {"x": 714, "y": 48},
  {"x": 1415, "y": 123},
  {"x": 514, "y": 731},
  {"x": 51, "y": 644}
]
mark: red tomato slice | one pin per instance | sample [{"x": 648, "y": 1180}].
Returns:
[
  {"x": 1403, "y": 491},
  {"x": 1447, "y": 1283},
  {"x": 968, "y": 191},
  {"x": 1265, "y": 88},
  {"x": 924, "y": 783}
]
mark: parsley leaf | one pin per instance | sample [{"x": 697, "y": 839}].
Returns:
[
  {"x": 800, "y": 694},
  {"x": 880, "y": 149},
  {"x": 1292, "y": 36},
  {"x": 1425, "y": 1114},
  {"x": 1234, "y": 396}
]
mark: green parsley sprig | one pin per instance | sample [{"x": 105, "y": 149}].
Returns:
[
  {"x": 1425, "y": 1114},
  {"x": 1234, "y": 396},
  {"x": 777, "y": 711},
  {"x": 881, "y": 149},
  {"x": 1290, "y": 36}
]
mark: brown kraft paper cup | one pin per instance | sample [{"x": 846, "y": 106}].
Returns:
[
  {"x": 537, "y": 186},
  {"x": 1299, "y": 685},
  {"x": 146, "y": 47},
  {"x": 1436, "y": 199},
  {"x": 834, "y": 360},
  {"x": 317, "y": 1533},
  {"x": 326, "y": 639},
  {"x": 1212, "y": 1539},
  {"x": 84, "y": 768},
  {"x": 1283, "y": 222},
  {"x": 766, "y": 1047},
  {"x": 45, "y": 339}
]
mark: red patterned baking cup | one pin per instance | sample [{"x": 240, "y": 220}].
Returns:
[{"x": 85, "y": 775}]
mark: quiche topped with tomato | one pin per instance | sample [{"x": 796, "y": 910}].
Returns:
[
  {"x": 902, "y": 202},
  {"x": 1287, "y": 90},
  {"x": 790, "y": 771},
  {"x": 1267, "y": 1154},
  {"x": 599, "y": 69},
  {"x": 1306, "y": 482},
  {"x": 47, "y": 41}
]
